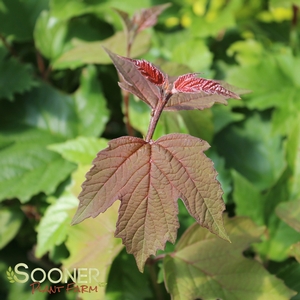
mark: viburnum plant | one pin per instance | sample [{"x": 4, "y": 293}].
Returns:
[{"x": 149, "y": 176}]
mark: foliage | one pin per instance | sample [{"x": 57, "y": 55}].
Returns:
[{"x": 60, "y": 105}]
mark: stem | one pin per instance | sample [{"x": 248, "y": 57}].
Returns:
[
  {"x": 158, "y": 292},
  {"x": 129, "y": 128},
  {"x": 293, "y": 33},
  {"x": 155, "y": 117},
  {"x": 126, "y": 94},
  {"x": 8, "y": 46}
]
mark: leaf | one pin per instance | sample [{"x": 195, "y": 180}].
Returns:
[
  {"x": 206, "y": 267},
  {"x": 284, "y": 3},
  {"x": 295, "y": 251},
  {"x": 10, "y": 223},
  {"x": 280, "y": 236},
  {"x": 28, "y": 162},
  {"x": 90, "y": 104},
  {"x": 202, "y": 99},
  {"x": 248, "y": 199},
  {"x": 92, "y": 52},
  {"x": 26, "y": 12},
  {"x": 50, "y": 35},
  {"x": 66, "y": 9},
  {"x": 92, "y": 245},
  {"x": 190, "y": 83},
  {"x": 289, "y": 212},
  {"x": 146, "y": 17},
  {"x": 251, "y": 149},
  {"x": 293, "y": 158},
  {"x": 126, "y": 282},
  {"x": 193, "y": 53},
  {"x": 135, "y": 83},
  {"x": 290, "y": 275},
  {"x": 81, "y": 150},
  {"x": 139, "y": 81},
  {"x": 53, "y": 228},
  {"x": 151, "y": 177},
  {"x": 15, "y": 78}
]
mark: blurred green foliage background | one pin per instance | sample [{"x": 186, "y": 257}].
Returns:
[{"x": 60, "y": 103}]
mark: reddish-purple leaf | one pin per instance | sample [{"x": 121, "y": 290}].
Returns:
[
  {"x": 125, "y": 18},
  {"x": 190, "y": 83},
  {"x": 148, "y": 70},
  {"x": 148, "y": 178},
  {"x": 147, "y": 17},
  {"x": 134, "y": 81},
  {"x": 201, "y": 100}
]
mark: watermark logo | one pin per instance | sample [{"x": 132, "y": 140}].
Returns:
[
  {"x": 83, "y": 280},
  {"x": 10, "y": 275}
]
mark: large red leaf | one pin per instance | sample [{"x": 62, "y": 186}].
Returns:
[{"x": 148, "y": 178}]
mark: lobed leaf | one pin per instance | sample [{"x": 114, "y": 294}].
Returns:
[
  {"x": 92, "y": 53},
  {"x": 148, "y": 178},
  {"x": 206, "y": 267},
  {"x": 289, "y": 212},
  {"x": 15, "y": 78}
]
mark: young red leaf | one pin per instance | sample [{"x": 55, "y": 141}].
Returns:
[
  {"x": 190, "y": 83},
  {"x": 148, "y": 70},
  {"x": 125, "y": 18},
  {"x": 202, "y": 99},
  {"x": 148, "y": 178},
  {"x": 147, "y": 17},
  {"x": 134, "y": 81}
]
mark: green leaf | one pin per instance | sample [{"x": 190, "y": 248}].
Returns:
[
  {"x": 18, "y": 17},
  {"x": 224, "y": 176},
  {"x": 50, "y": 35},
  {"x": 92, "y": 52},
  {"x": 27, "y": 167},
  {"x": 248, "y": 199},
  {"x": 289, "y": 212},
  {"x": 293, "y": 159},
  {"x": 284, "y": 3},
  {"x": 214, "y": 18},
  {"x": 295, "y": 251},
  {"x": 92, "y": 245},
  {"x": 253, "y": 151},
  {"x": 66, "y": 9},
  {"x": 53, "y": 228},
  {"x": 126, "y": 282},
  {"x": 206, "y": 267},
  {"x": 223, "y": 116},
  {"x": 81, "y": 150},
  {"x": 10, "y": 223},
  {"x": 90, "y": 104},
  {"x": 46, "y": 108},
  {"x": 199, "y": 123},
  {"x": 151, "y": 177},
  {"x": 280, "y": 236},
  {"x": 15, "y": 78},
  {"x": 290, "y": 275},
  {"x": 188, "y": 52}
]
